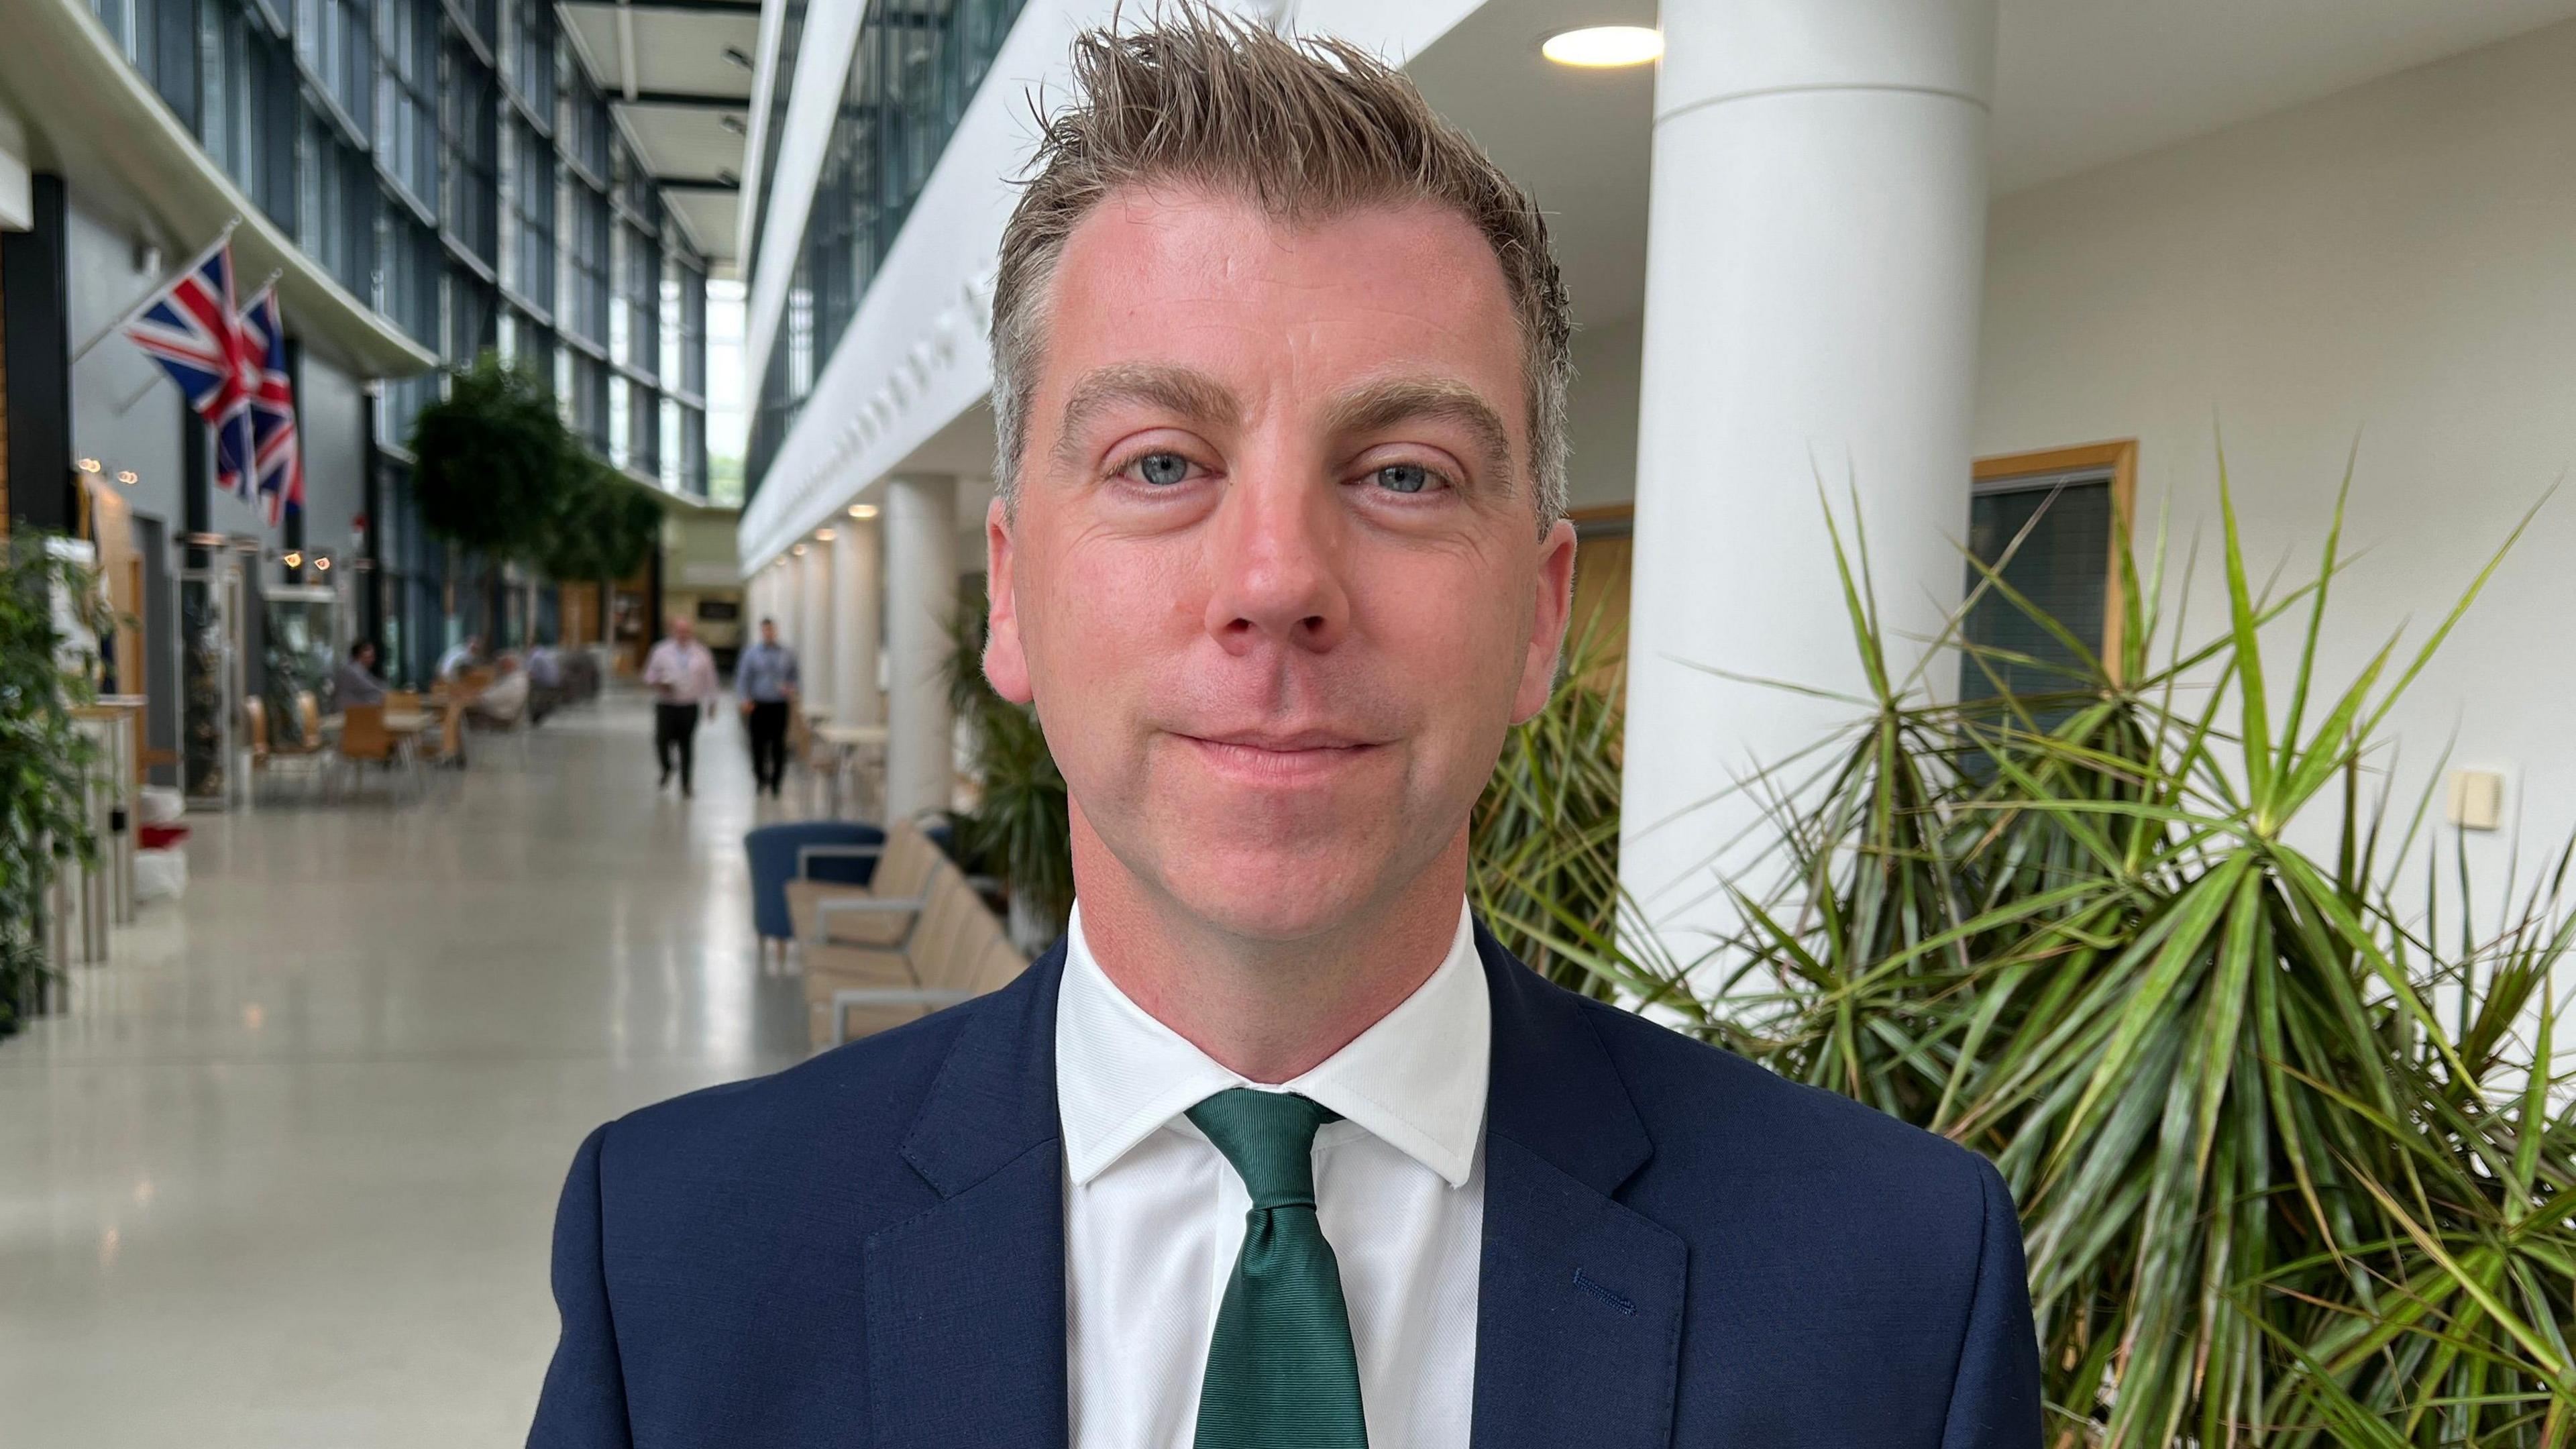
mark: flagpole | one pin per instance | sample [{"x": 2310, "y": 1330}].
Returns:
[{"x": 154, "y": 295}]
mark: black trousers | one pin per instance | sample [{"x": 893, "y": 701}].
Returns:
[
  {"x": 675, "y": 726},
  {"x": 768, "y": 744}
]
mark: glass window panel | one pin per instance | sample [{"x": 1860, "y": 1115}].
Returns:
[
  {"x": 2063, "y": 566},
  {"x": 915, "y": 67}
]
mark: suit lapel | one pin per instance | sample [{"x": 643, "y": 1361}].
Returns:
[
  {"x": 1579, "y": 1309},
  {"x": 965, "y": 1302}
]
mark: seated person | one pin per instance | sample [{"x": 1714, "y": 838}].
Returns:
[
  {"x": 506, "y": 697},
  {"x": 460, "y": 657},
  {"x": 545, "y": 681},
  {"x": 356, "y": 681}
]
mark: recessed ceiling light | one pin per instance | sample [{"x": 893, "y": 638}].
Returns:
[
  {"x": 824, "y": 535},
  {"x": 738, "y": 56},
  {"x": 733, "y": 123},
  {"x": 863, "y": 510},
  {"x": 1599, "y": 46}
]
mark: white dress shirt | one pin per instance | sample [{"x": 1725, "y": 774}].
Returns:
[
  {"x": 681, "y": 673},
  {"x": 1154, "y": 1214}
]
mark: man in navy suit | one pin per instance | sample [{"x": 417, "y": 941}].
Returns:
[{"x": 1278, "y": 1148}]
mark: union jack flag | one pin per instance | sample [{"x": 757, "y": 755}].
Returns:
[
  {"x": 279, "y": 461},
  {"x": 193, "y": 330}
]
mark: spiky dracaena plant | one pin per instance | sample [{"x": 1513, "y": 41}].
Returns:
[
  {"x": 1543, "y": 843},
  {"x": 2272, "y": 1194}
]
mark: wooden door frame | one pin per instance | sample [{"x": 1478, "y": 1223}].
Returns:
[{"x": 2120, "y": 456}]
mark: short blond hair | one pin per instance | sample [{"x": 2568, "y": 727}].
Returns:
[{"x": 1306, "y": 129}]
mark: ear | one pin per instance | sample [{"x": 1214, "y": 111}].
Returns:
[
  {"x": 1006, "y": 667},
  {"x": 1553, "y": 609}
]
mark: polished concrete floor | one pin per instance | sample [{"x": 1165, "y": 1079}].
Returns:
[{"x": 284, "y": 1173}]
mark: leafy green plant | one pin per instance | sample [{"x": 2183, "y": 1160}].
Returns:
[
  {"x": 1021, "y": 829},
  {"x": 2286, "y": 1157},
  {"x": 44, "y": 758},
  {"x": 493, "y": 460},
  {"x": 1543, "y": 844},
  {"x": 603, "y": 526}
]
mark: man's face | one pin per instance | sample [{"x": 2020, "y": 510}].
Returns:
[
  {"x": 768, "y": 632},
  {"x": 1274, "y": 577},
  {"x": 682, "y": 629},
  {"x": 366, "y": 656}
]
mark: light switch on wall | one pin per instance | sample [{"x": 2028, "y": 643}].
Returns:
[{"x": 2474, "y": 799}]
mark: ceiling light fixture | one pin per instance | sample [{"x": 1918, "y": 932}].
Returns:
[
  {"x": 126, "y": 477},
  {"x": 1599, "y": 47},
  {"x": 733, "y": 123},
  {"x": 824, "y": 535},
  {"x": 293, "y": 560},
  {"x": 323, "y": 564},
  {"x": 863, "y": 510},
  {"x": 87, "y": 465},
  {"x": 738, "y": 56}
]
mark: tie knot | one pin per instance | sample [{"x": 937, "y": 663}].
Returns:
[{"x": 1270, "y": 1139}]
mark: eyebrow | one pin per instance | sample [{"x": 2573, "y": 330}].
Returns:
[
  {"x": 1381, "y": 405},
  {"x": 1186, "y": 393}
]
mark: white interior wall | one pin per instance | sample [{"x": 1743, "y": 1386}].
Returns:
[
  {"x": 2391, "y": 264},
  {"x": 1601, "y": 413},
  {"x": 331, "y": 412}
]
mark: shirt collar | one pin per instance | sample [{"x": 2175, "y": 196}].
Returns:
[{"x": 1416, "y": 1079}]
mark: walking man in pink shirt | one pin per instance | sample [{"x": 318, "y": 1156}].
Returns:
[{"x": 682, "y": 675}]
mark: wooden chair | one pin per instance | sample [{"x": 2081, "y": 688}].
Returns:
[
  {"x": 364, "y": 740},
  {"x": 255, "y": 725},
  {"x": 955, "y": 950},
  {"x": 876, "y": 914},
  {"x": 268, "y": 758}
]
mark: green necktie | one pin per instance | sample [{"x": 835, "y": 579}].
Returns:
[{"x": 1281, "y": 1373}]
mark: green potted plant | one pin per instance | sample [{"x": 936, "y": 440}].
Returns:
[
  {"x": 44, "y": 758},
  {"x": 2285, "y": 1149}
]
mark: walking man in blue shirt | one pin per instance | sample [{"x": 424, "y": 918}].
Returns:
[{"x": 766, "y": 679}]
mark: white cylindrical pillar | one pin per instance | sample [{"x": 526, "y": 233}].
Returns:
[
  {"x": 790, "y": 585},
  {"x": 1815, "y": 253},
  {"x": 814, "y": 649},
  {"x": 855, "y": 696},
  {"x": 921, "y": 594}
]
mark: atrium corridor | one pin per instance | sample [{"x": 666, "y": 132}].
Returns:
[{"x": 284, "y": 1175}]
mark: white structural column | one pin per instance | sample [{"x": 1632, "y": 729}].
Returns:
[
  {"x": 921, "y": 593},
  {"x": 1815, "y": 254},
  {"x": 791, "y": 600},
  {"x": 814, "y": 645},
  {"x": 855, "y": 696}
]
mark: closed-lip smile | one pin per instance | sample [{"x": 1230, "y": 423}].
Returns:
[{"x": 1279, "y": 756}]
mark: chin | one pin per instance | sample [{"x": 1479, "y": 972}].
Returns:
[{"x": 1276, "y": 894}]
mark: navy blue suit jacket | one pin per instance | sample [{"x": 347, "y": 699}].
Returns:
[{"x": 1680, "y": 1249}]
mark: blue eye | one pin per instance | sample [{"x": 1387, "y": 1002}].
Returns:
[
  {"x": 1403, "y": 477},
  {"x": 1162, "y": 470}
]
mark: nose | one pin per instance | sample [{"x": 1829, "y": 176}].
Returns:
[{"x": 1276, "y": 557}]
